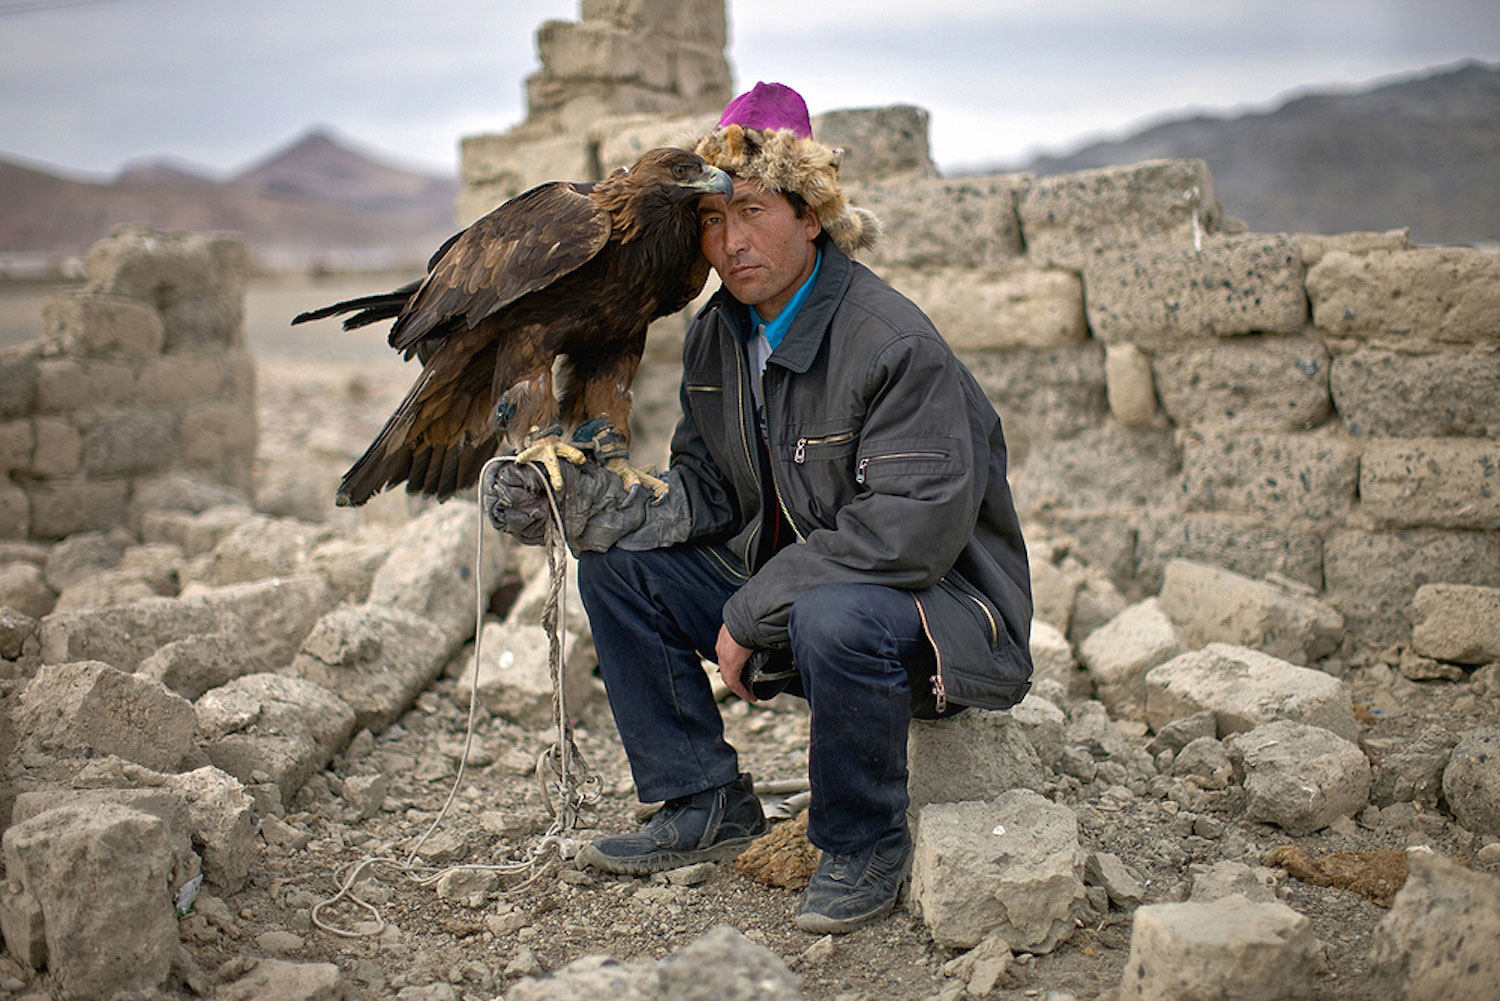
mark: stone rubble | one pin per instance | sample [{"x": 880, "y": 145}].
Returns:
[
  {"x": 1003, "y": 870},
  {"x": 1245, "y": 688},
  {"x": 1471, "y": 780},
  {"x": 1119, "y": 654},
  {"x": 1301, "y": 778},
  {"x": 102, "y": 878},
  {"x": 1213, "y": 605}
]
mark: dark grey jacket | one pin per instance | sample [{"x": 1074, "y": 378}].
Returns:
[{"x": 888, "y": 461}]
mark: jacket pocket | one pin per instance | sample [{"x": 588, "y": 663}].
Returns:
[
  {"x": 894, "y": 458},
  {"x": 988, "y": 615},
  {"x": 824, "y": 446},
  {"x": 704, "y": 396},
  {"x": 978, "y": 662}
]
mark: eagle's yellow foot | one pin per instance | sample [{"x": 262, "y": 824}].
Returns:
[
  {"x": 546, "y": 450},
  {"x": 633, "y": 477}
]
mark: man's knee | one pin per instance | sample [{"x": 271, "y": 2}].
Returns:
[{"x": 840, "y": 617}]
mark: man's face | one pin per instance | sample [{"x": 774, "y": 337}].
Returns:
[{"x": 761, "y": 250}]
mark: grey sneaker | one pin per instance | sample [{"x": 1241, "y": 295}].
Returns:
[
  {"x": 850, "y": 890},
  {"x": 713, "y": 824}
]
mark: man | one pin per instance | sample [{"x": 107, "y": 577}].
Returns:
[{"x": 837, "y": 504}]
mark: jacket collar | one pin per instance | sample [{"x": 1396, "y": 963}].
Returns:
[{"x": 805, "y": 336}]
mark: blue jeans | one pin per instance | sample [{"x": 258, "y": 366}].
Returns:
[{"x": 859, "y": 648}]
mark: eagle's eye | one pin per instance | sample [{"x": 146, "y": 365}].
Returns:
[{"x": 680, "y": 171}]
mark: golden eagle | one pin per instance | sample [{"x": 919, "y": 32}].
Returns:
[{"x": 576, "y": 270}]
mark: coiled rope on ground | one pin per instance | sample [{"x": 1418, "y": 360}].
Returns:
[{"x": 560, "y": 767}]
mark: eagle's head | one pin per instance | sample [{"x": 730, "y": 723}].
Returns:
[{"x": 667, "y": 177}]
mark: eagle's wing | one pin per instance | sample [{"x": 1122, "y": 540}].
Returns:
[{"x": 521, "y": 247}]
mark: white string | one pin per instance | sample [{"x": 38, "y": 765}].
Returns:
[{"x": 555, "y": 846}]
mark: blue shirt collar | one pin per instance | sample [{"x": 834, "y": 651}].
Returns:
[{"x": 776, "y": 329}]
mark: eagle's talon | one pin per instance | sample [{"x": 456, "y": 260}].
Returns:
[
  {"x": 603, "y": 438},
  {"x": 633, "y": 477},
  {"x": 546, "y": 450}
]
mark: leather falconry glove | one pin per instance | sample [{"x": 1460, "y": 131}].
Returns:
[{"x": 598, "y": 512}]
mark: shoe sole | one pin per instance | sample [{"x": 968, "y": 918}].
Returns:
[
  {"x": 645, "y": 865},
  {"x": 821, "y": 924}
]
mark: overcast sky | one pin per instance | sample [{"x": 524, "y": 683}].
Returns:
[{"x": 89, "y": 85}]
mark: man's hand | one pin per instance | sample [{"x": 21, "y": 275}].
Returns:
[
  {"x": 597, "y": 509},
  {"x": 732, "y": 660},
  {"x": 515, "y": 499}
]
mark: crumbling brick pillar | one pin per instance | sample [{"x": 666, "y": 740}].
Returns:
[{"x": 141, "y": 372}]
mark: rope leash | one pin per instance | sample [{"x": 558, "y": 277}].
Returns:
[{"x": 576, "y": 785}]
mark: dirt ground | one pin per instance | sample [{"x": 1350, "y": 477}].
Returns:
[
  {"x": 323, "y": 393},
  {"x": 479, "y": 943}
]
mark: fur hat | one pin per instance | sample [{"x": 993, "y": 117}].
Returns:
[{"x": 765, "y": 135}]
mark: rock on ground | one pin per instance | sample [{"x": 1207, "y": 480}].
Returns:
[
  {"x": 100, "y": 875},
  {"x": 1471, "y": 781},
  {"x": 1210, "y": 604},
  {"x": 1229, "y": 948},
  {"x": 1438, "y": 943},
  {"x": 978, "y": 754},
  {"x": 1011, "y": 866},
  {"x": 1301, "y": 778},
  {"x": 1246, "y": 688},
  {"x": 1119, "y": 654},
  {"x": 720, "y": 965},
  {"x": 69, "y": 707},
  {"x": 1456, "y": 622},
  {"x": 254, "y": 979},
  {"x": 270, "y": 728},
  {"x": 376, "y": 658}
]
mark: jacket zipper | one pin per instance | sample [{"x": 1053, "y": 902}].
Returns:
[
  {"x": 989, "y": 616},
  {"x": 859, "y": 471},
  {"x": 775, "y": 486},
  {"x": 739, "y": 402},
  {"x": 731, "y": 571},
  {"x": 800, "y": 455},
  {"x": 712, "y": 552},
  {"x": 939, "y": 688}
]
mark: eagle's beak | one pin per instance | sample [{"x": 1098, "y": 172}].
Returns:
[{"x": 714, "y": 181}]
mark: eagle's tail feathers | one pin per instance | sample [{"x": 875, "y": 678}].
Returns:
[
  {"x": 371, "y": 474},
  {"x": 389, "y": 458},
  {"x": 367, "y": 309}
]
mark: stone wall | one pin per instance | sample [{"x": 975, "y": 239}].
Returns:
[
  {"x": 140, "y": 374},
  {"x": 1323, "y": 408}
]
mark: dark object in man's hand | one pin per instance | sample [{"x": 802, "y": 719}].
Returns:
[{"x": 770, "y": 672}]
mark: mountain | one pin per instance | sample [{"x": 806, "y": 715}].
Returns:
[
  {"x": 314, "y": 203},
  {"x": 1422, "y": 152},
  {"x": 318, "y": 169},
  {"x": 162, "y": 173}
]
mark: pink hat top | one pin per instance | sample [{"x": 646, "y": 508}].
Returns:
[{"x": 768, "y": 107}]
